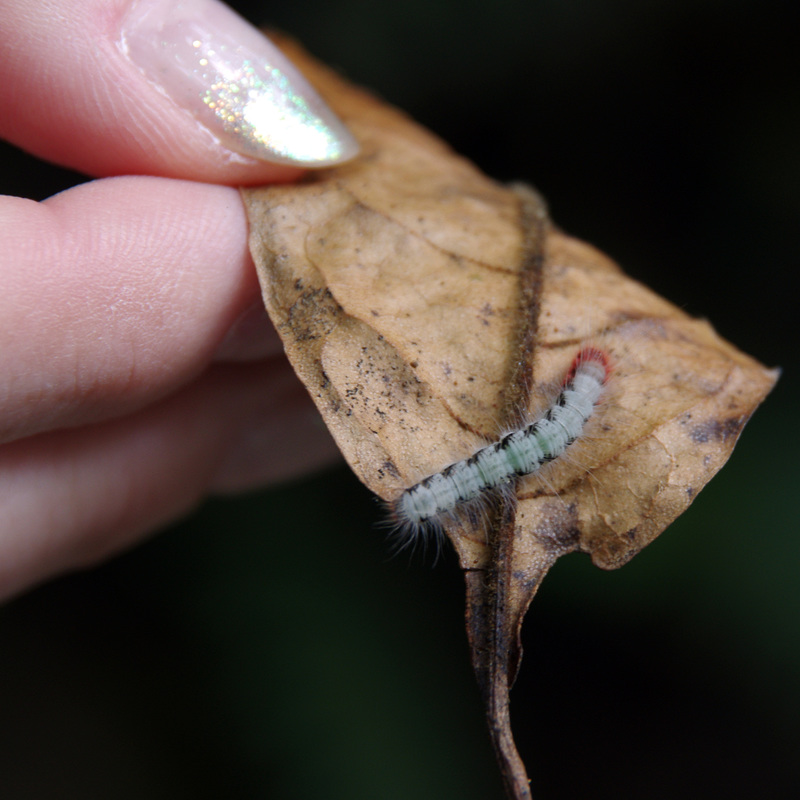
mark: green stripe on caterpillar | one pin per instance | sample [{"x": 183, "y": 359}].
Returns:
[{"x": 520, "y": 452}]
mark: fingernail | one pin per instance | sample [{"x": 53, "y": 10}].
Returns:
[{"x": 235, "y": 82}]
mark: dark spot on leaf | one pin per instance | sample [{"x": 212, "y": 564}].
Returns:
[
  {"x": 390, "y": 468},
  {"x": 313, "y": 315},
  {"x": 716, "y": 430}
]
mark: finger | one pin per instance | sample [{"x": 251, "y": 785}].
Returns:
[
  {"x": 115, "y": 293},
  {"x": 187, "y": 90},
  {"x": 73, "y": 497}
]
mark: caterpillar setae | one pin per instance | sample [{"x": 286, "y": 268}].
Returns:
[{"x": 519, "y": 452}]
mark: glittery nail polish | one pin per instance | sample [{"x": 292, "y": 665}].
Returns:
[{"x": 235, "y": 82}]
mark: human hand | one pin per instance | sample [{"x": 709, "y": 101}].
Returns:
[{"x": 138, "y": 371}]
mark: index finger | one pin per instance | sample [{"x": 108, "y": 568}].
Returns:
[{"x": 185, "y": 90}]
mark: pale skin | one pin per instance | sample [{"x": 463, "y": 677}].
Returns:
[{"x": 138, "y": 373}]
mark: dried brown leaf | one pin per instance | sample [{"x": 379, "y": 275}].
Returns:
[{"x": 424, "y": 306}]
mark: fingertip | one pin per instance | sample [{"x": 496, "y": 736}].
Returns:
[
  {"x": 97, "y": 88},
  {"x": 115, "y": 293},
  {"x": 235, "y": 82}
]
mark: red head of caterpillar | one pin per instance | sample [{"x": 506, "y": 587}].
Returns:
[{"x": 520, "y": 452}]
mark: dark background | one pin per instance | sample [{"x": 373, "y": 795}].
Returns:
[{"x": 268, "y": 647}]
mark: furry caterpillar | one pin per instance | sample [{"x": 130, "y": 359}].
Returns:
[{"x": 520, "y": 452}]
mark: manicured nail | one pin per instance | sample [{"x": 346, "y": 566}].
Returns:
[{"x": 235, "y": 82}]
